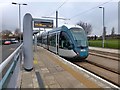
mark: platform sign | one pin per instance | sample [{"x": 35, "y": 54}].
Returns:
[{"x": 42, "y": 23}]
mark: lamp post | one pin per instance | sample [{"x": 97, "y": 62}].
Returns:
[
  {"x": 103, "y": 36},
  {"x": 19, "y": 4}
]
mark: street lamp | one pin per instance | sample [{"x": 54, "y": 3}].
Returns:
[
  {"x": 103, "y": 37},
  {"x": 19, "y": 4}
]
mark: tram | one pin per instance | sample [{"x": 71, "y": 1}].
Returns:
[{"x": 66, "y": 41}]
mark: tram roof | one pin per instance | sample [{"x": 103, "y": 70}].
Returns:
[
  {"x": 72, "y": 26},
  {"x": 63, "y": 26}
]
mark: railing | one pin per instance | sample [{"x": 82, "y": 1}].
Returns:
[{"x": 9, "y": 69}]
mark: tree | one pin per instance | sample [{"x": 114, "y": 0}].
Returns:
[
  {"x": 17, "y": 32},
  {"x": 112, "y": 31},
  {"x": 6, "y": 33},
  {"x": 104, "y": 32},
  {"x": 95, "y": 37},
  {"x": 86, "y": 26}
]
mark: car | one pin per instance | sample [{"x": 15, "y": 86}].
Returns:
[
  {"x": 7, "y": 43},
  {"x": 14, "y": 41}
]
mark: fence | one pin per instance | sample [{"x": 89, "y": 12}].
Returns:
[{"x": 10, "y": 70}]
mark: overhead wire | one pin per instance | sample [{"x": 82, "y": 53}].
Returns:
[
  {"x": 58, "y": 7},
  {"x": 86, "y": 11},
  {"x": 62, "y": 5}
]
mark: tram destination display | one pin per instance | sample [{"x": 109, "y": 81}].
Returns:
[{"x": 43, "y": 23}]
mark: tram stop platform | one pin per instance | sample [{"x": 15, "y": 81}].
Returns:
[{"x": 51, "y": 71}]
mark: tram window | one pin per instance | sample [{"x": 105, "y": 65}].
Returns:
[
  {"x": 64, "y": 41},
  {"x": 52, "y": 40}
]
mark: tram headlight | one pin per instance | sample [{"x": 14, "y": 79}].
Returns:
[{"x": 82, "y": 50}]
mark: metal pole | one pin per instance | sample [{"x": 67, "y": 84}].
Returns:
[
  {"x": 56, "y": 33},
  {"x": 103, "y": 28},
  {"x": 56, "y": 19},
  {"x": 19, "y": 15},
  {"x": 103, "y": 35},
  {"x": 20, "y": 21},
  {"x": 35, "y": 42}
]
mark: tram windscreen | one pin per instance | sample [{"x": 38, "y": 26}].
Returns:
[{"x": 79, "y": 36}]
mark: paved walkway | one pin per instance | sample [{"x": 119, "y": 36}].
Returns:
[
  {"x": 49, "y": 72},
  {"x": 105, "y": 50}
]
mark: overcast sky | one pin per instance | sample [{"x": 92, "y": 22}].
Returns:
[{"x": 75, "y": 10}]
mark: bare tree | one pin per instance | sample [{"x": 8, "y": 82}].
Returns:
[
  {"x": 86, "y": 26},
  {"x": 17, "y": 32},
  {"x": 112, "y": 31},
  {"x": 104, "y": 32},
  {"x": 6, "y": 33}
]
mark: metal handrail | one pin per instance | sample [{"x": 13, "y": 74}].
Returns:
[
  {"x": 4, "y": 63},
  {"x": 14, "y": 56}
]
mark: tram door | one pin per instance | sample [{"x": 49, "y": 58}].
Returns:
[{"x": 64, "y": 43}]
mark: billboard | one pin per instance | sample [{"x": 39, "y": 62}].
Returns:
[{"x": 42, "y": 23}]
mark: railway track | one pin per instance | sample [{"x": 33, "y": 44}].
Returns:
[
  {"x": 114, "y": 56},
  {"x": 104, "y": 68}
]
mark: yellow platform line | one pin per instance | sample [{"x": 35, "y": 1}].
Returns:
[{"x": 35, "y": 61}]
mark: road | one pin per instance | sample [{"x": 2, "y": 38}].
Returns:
[{"x": 7, "y": 50}]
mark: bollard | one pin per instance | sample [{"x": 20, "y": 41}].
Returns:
[{"x": 28, "y": 42}]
